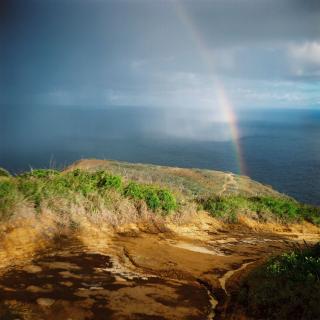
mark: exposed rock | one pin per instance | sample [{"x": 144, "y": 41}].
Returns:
[{"x": 45, "y": 302}]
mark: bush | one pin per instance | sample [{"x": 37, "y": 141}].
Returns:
[
  {"x": 47, "y": 185},
  {"x": 108, "y": 181},
  {"x": 298, "y": 265},
  {"x": 286, "y": 287},
  {"x": 4, "y": 173},
  {"x": 40, "y": 173},
  {"x": 167, "y": 200},
  {"x": 155, "y": 198},
  {"x": 38, "y": 185},
  {"x": 9, "y": 196},
  {"x": 32, "y": 189},
  {"x": 151, "y": 198},
  {"x": 87, "y": 183},
  {"x": 134, "y": 191},
  {"x": 283, "y": 209},
  {"x": 80, "y": 181},
  {"x": 224, "y": 207}
]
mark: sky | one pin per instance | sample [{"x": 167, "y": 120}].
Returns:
[{"x": 156, "y": 53}]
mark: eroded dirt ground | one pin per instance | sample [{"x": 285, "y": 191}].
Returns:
[{"x": 134, "y": 276}]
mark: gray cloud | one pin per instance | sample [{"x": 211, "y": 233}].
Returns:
[{"x": 152, "y": 52}]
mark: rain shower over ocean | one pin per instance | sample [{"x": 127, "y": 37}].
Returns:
[{"x": 278, "y": 147}]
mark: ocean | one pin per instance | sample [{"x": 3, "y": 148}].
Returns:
[{"x": 280, "y": 148}]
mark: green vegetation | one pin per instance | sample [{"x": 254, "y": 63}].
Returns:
[
  {"x": 190, "y": 182},
  {"x": 99, "y": 189},
  {"x": 9, "y": 197},
  {"x": 4, "y": 173},
  {"x": 155, "y": 198},
  {"x": 262, "y": 208},
  {"x": 46, "y": 186},
  {"x": 286, "y": 287}
]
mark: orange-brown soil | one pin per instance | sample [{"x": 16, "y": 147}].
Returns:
[{"x": 186, "y": 273}]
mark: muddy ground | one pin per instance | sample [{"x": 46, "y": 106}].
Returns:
[{"x": 135, "y": 275}]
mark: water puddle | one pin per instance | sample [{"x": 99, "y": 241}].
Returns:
[{"x": 191, "y": 247}]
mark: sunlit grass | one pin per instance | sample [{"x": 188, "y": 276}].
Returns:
[
  {"x": 44, "y": 186},
  {"x": 262, "y": 208},
  {"x": 96, "y": 189}
]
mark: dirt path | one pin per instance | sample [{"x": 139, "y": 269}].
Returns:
[
  {"x": 137, "y": 276},
  {"x": 230, "y": 183}
]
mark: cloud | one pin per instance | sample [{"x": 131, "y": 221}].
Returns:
[
  {"x": 305, "y": 59},
  {"x": 145, "y": 52}
]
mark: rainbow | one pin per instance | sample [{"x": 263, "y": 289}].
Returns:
[{"x": 223, "y": 100}]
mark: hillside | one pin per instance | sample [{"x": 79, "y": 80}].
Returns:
[
  {"x": 191, "y": 182},
  {"x": 112, "y": 240}
]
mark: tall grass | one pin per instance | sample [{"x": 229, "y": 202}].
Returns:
[
  {"x": 9, "y": 198},
  {"x": 98, "y": 189},
  {"x": 94, "y": 189}
]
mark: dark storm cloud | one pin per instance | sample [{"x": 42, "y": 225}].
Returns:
[
  {"x": 245, "y": 21},
  {"x": 144, "y": 52}
]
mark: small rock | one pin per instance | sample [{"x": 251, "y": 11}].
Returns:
[
  {"x": 32, "y": 268},
  {"x": 45, "y": 302},
  {"x": 67, "y": 283}
]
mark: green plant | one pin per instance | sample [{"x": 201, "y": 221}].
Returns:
[
  {"x": 224, "y": 207},
  {"x": 283, "y": 209},
  {"x": 81, "y": 181},
  {"x": 285, "y": 287},
  {"x": 9, "y": 197},
  {"x": 32, "y": 189},
  {"x": 4, "y": 173},
  {"x": 107, "y": 180},
  {"x": 167, "y": 200},
  {"x": 134, "y": 191},
  {"x": 151, "y": 198},
  {"x": 155, "y": 198},
  {"x": 40, "y": 173}
]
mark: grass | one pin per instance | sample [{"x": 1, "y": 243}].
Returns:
[
  {"x": 101, "y": 189},
  {"x": 9, "y": 198},
  {"x": 95, "y": 189},
  {"x": 284, "y": 210},
  {"x": 189, "y": 182},
  {"x": 156, "y": 198},
  {"x": 4, "y": 173},
  {"x": 286, "y": 287}
]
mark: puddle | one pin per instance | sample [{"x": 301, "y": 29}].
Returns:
[{"x": 194, "y": 248}]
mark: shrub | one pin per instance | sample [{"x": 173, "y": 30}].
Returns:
[
  {"x": 108, "y": 181},
  {"x": 134, "y": 191},
  {"x": 224, "y": 207},
  {"x": 9, "y": 196},
  {"x": 286, "y": 287},
  {"x": 4, "y": 173},
  {"x": 299, "y": 264},
  {"x": 167, "y": 200},
  {"x": 310, "y": 214},
  {"x": 40, "y": 173},
  {"x": 151, "y": 198},
  {"x": 284, "y": 209},
  {"x": 155, "y": 198},
  {"x": 81, "y": 181},
  {"x": 32, "y": 189}
]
